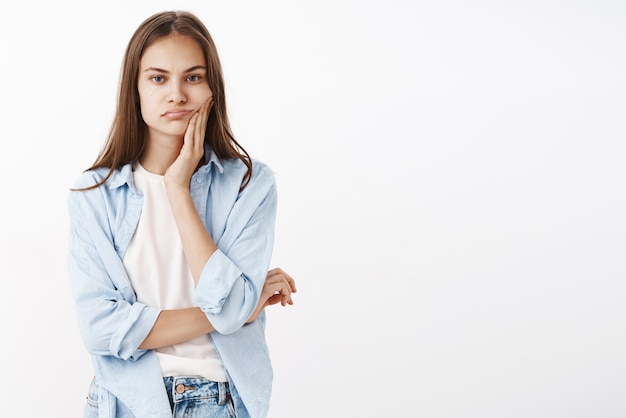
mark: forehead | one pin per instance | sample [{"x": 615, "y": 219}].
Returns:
[{"x": 172, "y": 52}]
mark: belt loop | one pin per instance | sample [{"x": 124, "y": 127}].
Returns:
[{"x": 221, "y": 388}]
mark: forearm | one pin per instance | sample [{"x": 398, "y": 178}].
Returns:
[
  {"x": 176, "y": 326},
  {"x": 198, "y": 245}
]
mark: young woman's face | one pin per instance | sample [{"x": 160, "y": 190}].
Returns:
[{"x": 172, "y": 85}]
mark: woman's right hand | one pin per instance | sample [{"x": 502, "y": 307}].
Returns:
[
  {"x": 179, "y": 173},
  {"x": 278, "y": 287}
]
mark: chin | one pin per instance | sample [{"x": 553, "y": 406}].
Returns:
[
  {"x": 177, "y": 131},
  {"x": 178, "y": 136},
  {"x": 171, "y": 130}
]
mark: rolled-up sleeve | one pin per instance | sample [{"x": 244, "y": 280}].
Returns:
[
  {"x": 231, "y": 281},
  {"x": 110, "y": 320}
]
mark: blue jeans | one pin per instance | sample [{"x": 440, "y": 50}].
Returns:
[
  {"x": 91, "y": 405},
  {"x": 190, "y": 397},
  {"x": 197, "y": 397}
]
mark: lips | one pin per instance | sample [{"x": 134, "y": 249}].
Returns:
[{"x": 176, "y": 113}]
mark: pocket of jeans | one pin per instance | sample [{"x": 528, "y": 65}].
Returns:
[{"x": 91, "y": 404}]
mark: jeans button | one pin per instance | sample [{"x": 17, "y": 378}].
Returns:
[{"x": 180, "y": 388}]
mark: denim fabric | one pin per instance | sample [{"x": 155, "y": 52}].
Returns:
[
  {"x": 189, "y": 396},
  {"x": 91, "y": 404},
  {"x": 113, "y": 323},
  {"x": 197, "y": 397}
]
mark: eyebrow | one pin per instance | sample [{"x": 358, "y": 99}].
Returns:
[{"x": 188, "y": 70}]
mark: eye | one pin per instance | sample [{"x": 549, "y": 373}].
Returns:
[
  {"x": 157, "y": 78},
  {"x": 193, "y": 78}
]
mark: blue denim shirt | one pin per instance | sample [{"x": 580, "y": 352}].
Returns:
[{"x": 113, "y": 324}]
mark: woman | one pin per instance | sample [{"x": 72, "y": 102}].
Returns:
[{"x": 171, "y": 237}]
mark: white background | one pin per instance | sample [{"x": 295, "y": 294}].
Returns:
[{"x": 451, "y": 197}]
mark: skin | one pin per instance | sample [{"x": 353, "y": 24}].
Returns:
[{"x": 176, "y": 101}]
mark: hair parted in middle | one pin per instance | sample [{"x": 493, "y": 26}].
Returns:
[{"x": 125, "y": 142}]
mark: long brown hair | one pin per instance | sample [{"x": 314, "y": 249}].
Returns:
[{"x": 126, "y": 138}]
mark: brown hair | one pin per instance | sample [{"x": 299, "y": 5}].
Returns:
[{"x": 125, "y": 142}]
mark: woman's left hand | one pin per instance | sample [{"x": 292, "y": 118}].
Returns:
[
  {"x": 278, "y": 287},
  {"x": 181, "y": 170}
]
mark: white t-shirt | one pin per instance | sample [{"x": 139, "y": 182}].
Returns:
[{"x": 160, "y": 276}]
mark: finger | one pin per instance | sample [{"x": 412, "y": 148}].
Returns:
[
  {"x": 194, "y": 127},
  {"x": 273, "y": 300},
  {"x": 189, "y": 132},
  {"x": 278, "y": 272},
  {"x": 200, "y": 127},
  {"x": 274, "y": 276},
  {"x": 274, "y": 272},
  {"x": 289, "y": 279},
  {"x": 292, "y": 284},
  {"x": 280, "y": 290},
  {"x": 286, "y": 300}
]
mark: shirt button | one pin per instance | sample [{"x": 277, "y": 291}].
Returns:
[
  {"x": 198, "y": 180},
  {"x": 180, "y": 388}
]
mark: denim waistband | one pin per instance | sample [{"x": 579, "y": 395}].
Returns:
[{"x": 182, "y": 388}]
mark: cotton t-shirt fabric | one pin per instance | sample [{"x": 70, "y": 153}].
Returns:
[{"x": 160, "y": 276}]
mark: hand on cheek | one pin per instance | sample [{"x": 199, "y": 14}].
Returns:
[{"x": 180, "y": 172}]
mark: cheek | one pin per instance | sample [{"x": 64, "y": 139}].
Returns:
[
  {"x": 146, "y": 102},
  {"x": 146, "y": 95},
  {"x": 146, "y": 110},
  {"x": 207, "y": 92}
]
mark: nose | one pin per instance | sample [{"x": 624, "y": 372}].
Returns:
[{"x": 177, "y": 93}]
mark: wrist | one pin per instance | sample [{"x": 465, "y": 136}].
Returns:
[{"x": 176, "y": 189}]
